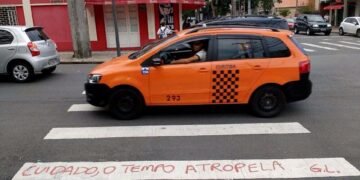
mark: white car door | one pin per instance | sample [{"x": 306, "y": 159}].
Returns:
[
  {"x": 352, "y": 26},
  {"x": 346, "y": 25}
]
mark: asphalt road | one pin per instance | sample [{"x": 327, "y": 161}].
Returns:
[{"x": 29, "y": 111}]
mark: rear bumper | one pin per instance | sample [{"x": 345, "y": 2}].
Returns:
[
  {"x": 97, "y": 94},
  {"x": 41, "y": 63},
  {"x": 298, "y": 90}
]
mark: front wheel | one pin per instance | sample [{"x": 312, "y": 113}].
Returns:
[
  {"x": 126, "y": 104},
  {"x": 358, "y": 33},
  {"x": 268, "y": 101},
  {"x": 308, "y": 32},
  {"x": 296, "y": 30},
  {"x": 327, "y": 33},
  {"x": 341, "y": 32}
]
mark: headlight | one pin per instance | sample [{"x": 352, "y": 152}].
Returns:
[
  {"x": 94, "y": 78},
  {"x": 328, "y": 25},
  {"x": 315, "y": 25}
]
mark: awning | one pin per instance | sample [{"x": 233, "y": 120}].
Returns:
[
  {"x": 334, "y": 6},
  {"x": 103, "y": 2}
]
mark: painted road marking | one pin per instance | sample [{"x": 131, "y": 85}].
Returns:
[
  {"x": 209, "y": 169},
  {"x": 309, "y": 50},
  {"x": 352, "y": 43},
  {"x": 175, "y": 130},
  {"x": 84, "y": 107},
  {"x": 340, "y": 45},
  {"x": 321, "y": 47}
]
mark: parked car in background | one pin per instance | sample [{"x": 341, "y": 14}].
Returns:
[
  {"x": 25, "y": 51},
  {"x": 291, "y": 23},
  {"x": 258, "y": 21},
  {"x": 350, "y": 25},
  {"x": 312, "y": 23}
]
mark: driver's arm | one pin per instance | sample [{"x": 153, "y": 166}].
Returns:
[{"x": 186, "y": 60}]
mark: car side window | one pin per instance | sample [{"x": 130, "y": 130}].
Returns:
[
  {"x": 276, "y": 48},
  {"x": 240, "y": 48},
  {"x": 6, "y": 37},
  {"x": 348, "y": 20},
  {"x": 186, "y": 49}
]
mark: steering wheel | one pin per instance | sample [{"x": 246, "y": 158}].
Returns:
[{"x": 166, "y": 57}]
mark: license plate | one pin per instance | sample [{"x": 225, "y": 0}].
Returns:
[
  {"x": 53, "y": 61},
  {"x": 323, "y": 29}
]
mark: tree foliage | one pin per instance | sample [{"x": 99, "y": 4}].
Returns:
[{"x": 285, "y": 12}]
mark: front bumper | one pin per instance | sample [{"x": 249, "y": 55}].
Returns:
[
  {"x": 97, "y": 94},
  {"x": 298, "y": 90},
  {"x": 324, "y": 30}
]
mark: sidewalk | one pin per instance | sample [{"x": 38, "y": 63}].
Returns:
[{"x": 97, "y": 57}]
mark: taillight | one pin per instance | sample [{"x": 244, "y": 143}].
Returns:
[
  {"x": 33, "y": 49},
  {"x": 304, "y": 67}
]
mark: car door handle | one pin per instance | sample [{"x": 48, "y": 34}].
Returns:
[
  {"x": 257, "y": 67},
  {"x": 203, "y": 70},
  {"x": 11, "y": 49}
]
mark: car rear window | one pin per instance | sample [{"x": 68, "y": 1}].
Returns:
[
  {"x": 276, "y": 48},
  {"x": 298, "y": 45},
  {"x": 36, "y": 34}
]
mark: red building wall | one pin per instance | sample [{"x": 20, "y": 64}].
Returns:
[
  {"x": 55, "y": 21},
  {"x": 20, "y": 15},
  {"x": 100, "y": 44}
]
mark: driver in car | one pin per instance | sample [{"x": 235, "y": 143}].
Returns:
[{"x": 200, "y": 55}]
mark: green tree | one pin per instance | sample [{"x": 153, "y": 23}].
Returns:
[{"x": 285, "y": 12}]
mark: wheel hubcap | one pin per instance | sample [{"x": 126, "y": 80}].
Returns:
[
  {"x": 20, "y": 72},
  {"x": 268, "y": 101},
  {"x": 126, "y": 104}
]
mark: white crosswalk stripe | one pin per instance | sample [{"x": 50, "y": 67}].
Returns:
[
  {"x": 309, "y": 50},
  {"x": 352, "y": 43},
  {"x": 340, "y": 45},
  {"x": 321, "y": 47},
  {"x": 205, "y": 169},
  {"x": 84, "y": 107},
  {"x": 175, "y": 130}
]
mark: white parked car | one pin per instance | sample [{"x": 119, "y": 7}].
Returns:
[{"x": 350, "y": 25}]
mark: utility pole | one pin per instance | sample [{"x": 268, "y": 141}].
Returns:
[
  {"x": 249, "y": 7},
  {"x": 116, "y": 29},
  {"x": 233, "y": 8},
  {"x": 296, "y": 7},
  {"x": 79, "y": 28}
]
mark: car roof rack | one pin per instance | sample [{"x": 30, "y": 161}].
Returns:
[{"x": 196, "y": 29}]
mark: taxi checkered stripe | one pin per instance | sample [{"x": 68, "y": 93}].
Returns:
[{"x": 225, "y": 85}]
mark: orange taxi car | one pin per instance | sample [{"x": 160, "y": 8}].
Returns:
[{"x": 265, "y": 68}]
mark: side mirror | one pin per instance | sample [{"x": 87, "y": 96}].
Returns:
[
  {"x": 355, "y": 23},
  {"x": 156, "y": 61}
]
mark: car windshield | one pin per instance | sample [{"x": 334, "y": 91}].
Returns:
[
  {"x": 149, "y": 46},
  {"x": 358, "y": 19},
  {"x": 315, "y": 19}
]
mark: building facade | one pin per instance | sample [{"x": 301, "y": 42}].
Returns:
[
  {"x": 138, "y": 20},
  {"x": 293, "y": 4}
]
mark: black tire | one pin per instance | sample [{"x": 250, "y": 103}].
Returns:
[
  {"x": 21, "y": 71},
  {"x": 296, "y": 30},
  {"x": 49, "y": 70},
  {"x": 327, "y": 33},
  {"x": 126, "y": 104},
  {"x": 358, "y": 33},
  {"x": 268, "y": 101},
  {"x": 341, "y": 31},
  {"x": 309, "y": 32}
]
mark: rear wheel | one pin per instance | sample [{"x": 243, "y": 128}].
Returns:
[
  {"x": 21, "y": 71},
  {"x": 341, "y": 32},
  {"x": 126, "y": 104},
  {"x": 358, "y": 33},
  {"x": 49, "y": 70},
  {"x": 268, "y": 101}
]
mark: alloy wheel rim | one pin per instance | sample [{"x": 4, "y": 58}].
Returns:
[{"x": 20, "y": 72}]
